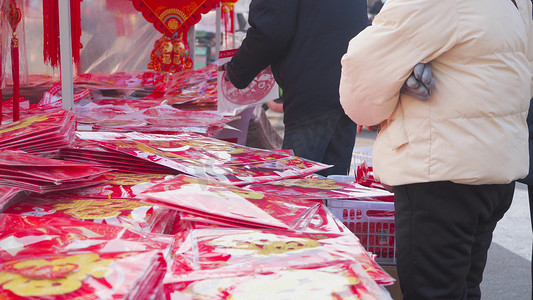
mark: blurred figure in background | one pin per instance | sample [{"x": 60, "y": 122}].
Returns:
[{"x": 375, "y": 8}]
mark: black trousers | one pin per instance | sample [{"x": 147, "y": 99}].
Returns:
[
  {"x": 328, "y": 138},
  {"x": 443, "y": 233}
]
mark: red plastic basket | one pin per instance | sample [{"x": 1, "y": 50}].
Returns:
[{"x": 372, "y": 222}]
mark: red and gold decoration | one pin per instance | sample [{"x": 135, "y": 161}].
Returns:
[
  {"x": 228, "y": 17},
  {"x": 229, "y": 204},
  {"x": 14, "y": 16},
  {"x": 341, "y": 281},
  {"x": 233, "y": 251},
  {"x": 82, "y": 275},
  {"x": 39, "y": 133},
  {"x": 51, "y": 49},
  {"x": 171, "y": 54},
  {"x": 172, "y": 16}
]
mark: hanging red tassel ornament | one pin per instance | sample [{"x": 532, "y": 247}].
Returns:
[
  {"x": 14, "y": 17},
  {"x": 51, "y": 33},
  {"x": 75, "y": 31},
  {"x": 51, "y": 46}
]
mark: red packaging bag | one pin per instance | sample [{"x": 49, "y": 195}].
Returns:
[
  {"x": 27, "y": 235},
  {"x": 340, "y": 281},
  {"x": 82, "y": 275},
  {"x": 115, "y": 211},
  {"x": 217, "y": 252},
  {"x": 230, "y": 203}
]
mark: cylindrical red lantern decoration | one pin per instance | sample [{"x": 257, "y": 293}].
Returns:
[
  {"x": 14, "y": 18},
  {"x": 228, "y": 17}
]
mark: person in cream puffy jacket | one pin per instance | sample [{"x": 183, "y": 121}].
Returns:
[{"x": 452, "y": 159}]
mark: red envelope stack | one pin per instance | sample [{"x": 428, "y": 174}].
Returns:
[
  {"x": 39, "y": 134},
  {"x": 10, "y": 195},
  {"x": 90, "y": 152},
  {"x": 229, "y": 204},
  {"x": 38, "y": 174},
  {"x": 162, "y": 119},
  {"x": 65, "y": 259},
  {"x": 340, "y": 281},
  {"x": 203, "y": 157},
  {"x": 129, "y": 213},
  {"x": 315, "y": 187},
  {"x": 33, "y": 234},
  {"x": 234, "y": 260},
  {"x": 119, "y": 185}
]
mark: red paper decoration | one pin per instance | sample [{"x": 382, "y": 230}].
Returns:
[
  {"x": 228, "y": 18},
  {"x": 172, "y": 16},
  {"x": 171, "y": 54}
]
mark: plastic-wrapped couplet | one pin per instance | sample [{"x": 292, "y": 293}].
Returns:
[{"x": 262, "y": 89}]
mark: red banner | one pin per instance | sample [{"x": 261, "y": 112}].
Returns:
[{"x": 172, "y": 16}]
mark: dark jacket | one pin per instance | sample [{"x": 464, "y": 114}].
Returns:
[{"x": 303, "y": 41}]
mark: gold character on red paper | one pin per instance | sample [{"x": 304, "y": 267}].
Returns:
[
  {"x": 170, "y": 54},
  {"x": 25, "y": 278},
  {"x": 90, "y": 210}
]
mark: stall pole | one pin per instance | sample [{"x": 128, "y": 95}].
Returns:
[
  {"x": 219, "y": 31},
  {"x": 233, "y": 28},
  {"x": 65, "y": 43},
  {"x": 191, "y": 42},
  {"x": 1, "y": 101}
]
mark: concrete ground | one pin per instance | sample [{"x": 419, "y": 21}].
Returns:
[{"x": 508, "y": 272}]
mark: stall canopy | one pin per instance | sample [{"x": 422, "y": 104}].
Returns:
[{"x": 116, "y": 35}]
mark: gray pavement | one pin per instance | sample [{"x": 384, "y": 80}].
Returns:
[{"x": 508, "y": 272}]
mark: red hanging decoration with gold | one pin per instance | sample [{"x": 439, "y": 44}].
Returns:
[
  {"x": 172, "y": 16},
  {"x": 14, "y": 16},
  {"x": 51, "y": 48},
  {"x": 171, "y": 54},
  {"x": 228, "y": 18}
]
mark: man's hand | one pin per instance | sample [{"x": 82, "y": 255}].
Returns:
[
  {"x": 222, "y": 68},
  {"x": 420, "y": 82}
]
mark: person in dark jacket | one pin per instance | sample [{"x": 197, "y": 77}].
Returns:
[{"x": 303, "y": 41}]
